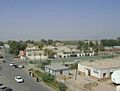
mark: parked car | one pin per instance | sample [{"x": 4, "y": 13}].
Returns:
[
  {"x": 21, "y": 66},
  {"x": 19, "y": 79},
  {"x": 2, "y": 88},
  {"x": 15, "y": 66},
  {"x": 1, "y": 84},
  {"x": 5, "y": 88},
  {"x": 12, "y": 64}
]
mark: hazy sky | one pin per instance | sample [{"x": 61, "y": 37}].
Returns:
[{"x": 59, "y": 19}]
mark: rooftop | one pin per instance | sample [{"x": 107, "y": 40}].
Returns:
[
  {"x": 102, "y": 64},
  {"x": 57, "y": 67}
]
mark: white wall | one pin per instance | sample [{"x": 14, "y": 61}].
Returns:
[
  {"x": 52, "y": 72},
  {"x": 37, "y": 57},
  {"x": 83, "y": 68},
  {"x": 96, "y": 72},
  {"x": 66, "y": 72}
]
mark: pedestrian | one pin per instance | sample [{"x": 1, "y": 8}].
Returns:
[
  {"x": 37, "y": 79},
  {"x": 33, "y": 75},
  {"x": 1, "y": 67},
  {"x": 30, "y": 73}
]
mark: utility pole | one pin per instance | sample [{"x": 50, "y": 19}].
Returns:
[
  {"x": 34, "y": 58},
  {"x": 40, "y": 56},
  {"x": 76, "y": 67}
]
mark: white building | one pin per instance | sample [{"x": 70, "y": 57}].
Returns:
[
  {"x": 57, "y": 69},
  {"x": 34, "y": 53},
  {"x": 37, "y": 55},
  {"x": 99, "y": 69}
]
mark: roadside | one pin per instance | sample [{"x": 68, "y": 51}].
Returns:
[{"x": 29, "y": 66}]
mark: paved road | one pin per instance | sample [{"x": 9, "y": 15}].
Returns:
[{"x": 9, "y": 73}]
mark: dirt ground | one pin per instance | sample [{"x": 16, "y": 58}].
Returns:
[{"x": 82, "y": 80}]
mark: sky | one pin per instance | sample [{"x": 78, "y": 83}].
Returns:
[{"x": 59, "y": 19}]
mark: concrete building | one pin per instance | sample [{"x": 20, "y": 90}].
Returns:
[
  {"x": 57, "y": 69},
  {"x": 99, "y": 69},
  {"x": 34, "y": 53},
  {"x": 22, "y": 55},
  {"x": 105, "y": 53},
  {"x": 37, "y": 55}
]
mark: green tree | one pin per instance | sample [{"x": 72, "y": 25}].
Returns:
[
  {"x": 49, "y": 42},
  {"x": 110, "y": 42},
  {"x": 62, "y": 87},
  {"x": 43, "y": 41},
  {"x": 80, "y": 45},
  {"x": 49, "y": 53},
  {"x": 29, "y": 41},
  {"x": 40, "y": 46},
  {"x": 91, "y": 44},
  {"x": 1, "y": 43},
  {"x": 22, "y": 45},
  {"x": 86, "y": 47},
  {"x": 48, "y": 78},
  {"x": 16, "y": 46}
]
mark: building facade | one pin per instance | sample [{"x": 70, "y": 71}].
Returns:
[
  {"x": 57, "y": 70},
  {"x": 100, "y": 70}
]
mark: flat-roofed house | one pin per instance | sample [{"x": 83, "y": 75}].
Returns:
[
  {"x": 57, "y": 69},
  {"x": 99, "y": 69}
]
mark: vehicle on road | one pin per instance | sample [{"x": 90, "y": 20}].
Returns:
[
  {"x": 7, "y": 89},
  {"x": 4, "y": 88},
  {"x": 21, "y": 66},
  {"x": 12, "y": 64},
  {"x": 19, "y": 79},
  {"x": 1, "y": 84},
  {"x": 15, "y": 66}
]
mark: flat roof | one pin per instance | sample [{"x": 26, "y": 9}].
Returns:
[
  {"x": 103, "y": 63},
  {"x": 57, "y": 67}
]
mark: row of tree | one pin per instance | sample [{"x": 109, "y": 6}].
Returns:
[
  {"x": 85, "y": 46},
  {"x": 98, "y": 46},
  {"x": 1, "y": 43},
  {"x": 16, "y": 46},
  {"x": 111, "y": 42}
]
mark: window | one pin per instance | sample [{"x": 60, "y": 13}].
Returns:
[{"x": 29, "y": 54}]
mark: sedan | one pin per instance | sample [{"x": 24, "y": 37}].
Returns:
[
  {"x": 21, "y": 66},
  {"x": 12, "y": 64},
  {"x": 4, "y": 88},
  {"x": 7, "y": 89},
  {"x": 15, "y": 66},
  {"x": 19, "y": 79}
]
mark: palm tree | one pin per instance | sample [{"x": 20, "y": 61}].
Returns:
[{"x": 49, "y": 53}]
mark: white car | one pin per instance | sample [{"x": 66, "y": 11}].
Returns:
[
  {"x": 19, "y": 79},
  {"x": 12, "y": 64},
  {"x": 21, "y": 66}
]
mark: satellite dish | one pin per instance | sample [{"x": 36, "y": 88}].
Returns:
[
  {"x": 118, "y": 88},
  {"x": 115, "y": 77}
]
